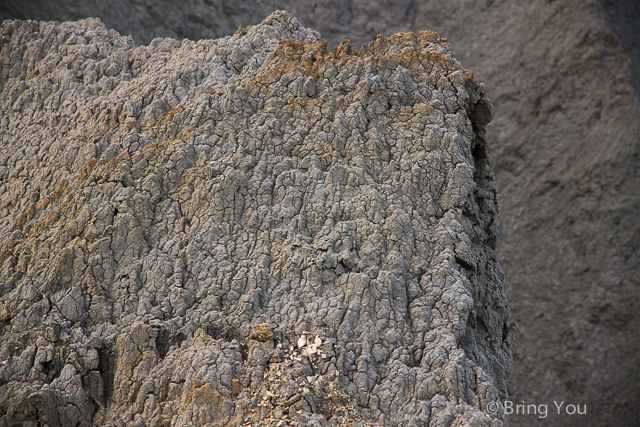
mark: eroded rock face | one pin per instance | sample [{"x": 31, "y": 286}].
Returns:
[{"x": 245, "y": 230}]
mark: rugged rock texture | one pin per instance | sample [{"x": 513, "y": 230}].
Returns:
[
  {"x": 245, "y": 230},
  {"x": 563, "y": 76},
  {"x": 566, "y": 147}
]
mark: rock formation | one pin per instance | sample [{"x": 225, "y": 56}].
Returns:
[
  {"x": 245, "y": 230},
  {"x": 563, "y": 76}
]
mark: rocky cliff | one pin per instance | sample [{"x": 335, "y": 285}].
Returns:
[
  {"x": 252, "y": 230},
  {"x": 563, "y": 76}
]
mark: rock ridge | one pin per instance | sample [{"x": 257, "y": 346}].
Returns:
[{"x": 249, "y": 230}]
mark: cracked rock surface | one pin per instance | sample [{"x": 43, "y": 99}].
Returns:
[{"x": 250, "y": 230}]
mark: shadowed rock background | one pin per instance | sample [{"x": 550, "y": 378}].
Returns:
[{"x": 565, "y": 143}]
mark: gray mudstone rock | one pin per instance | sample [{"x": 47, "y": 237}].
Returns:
[
  {"x": 564, "y": 78},
  {"x": 565, "y": 142},
  {"x": 249, "y": 230}
]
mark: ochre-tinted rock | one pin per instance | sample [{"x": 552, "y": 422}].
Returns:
[
  {"x": 246, "y": 230},
  {"x": 563, "y": 76}
]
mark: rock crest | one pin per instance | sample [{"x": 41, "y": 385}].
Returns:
[{"x": 245, "y": 230}]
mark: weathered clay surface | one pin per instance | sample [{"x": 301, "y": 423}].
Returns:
[
  {"x": 564, "y": 77},
  {"x": 245, "y": 230}
]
